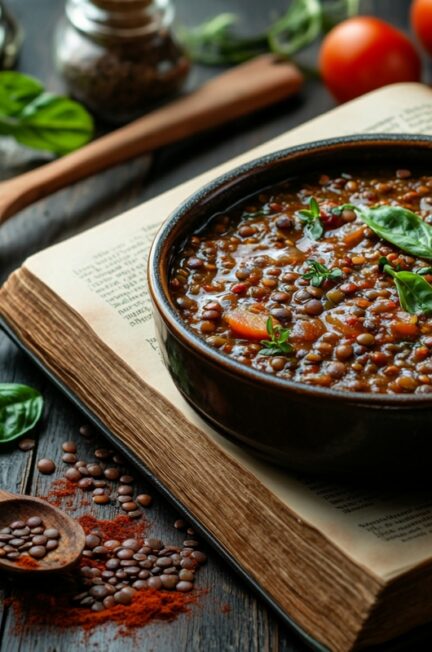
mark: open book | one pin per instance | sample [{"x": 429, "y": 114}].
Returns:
[{"x": 350, "y": 566}]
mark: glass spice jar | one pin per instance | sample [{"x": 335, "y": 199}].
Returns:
[{"x": 118, "y": 57}]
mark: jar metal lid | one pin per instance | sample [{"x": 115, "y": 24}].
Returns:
[{"x": 102, "y": 18}]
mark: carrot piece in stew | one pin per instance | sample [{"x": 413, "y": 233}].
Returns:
[
  {"x": 353, "y": 238},
  {"x": 402, "y": 329},
  {"x": 247, "y": 324}
]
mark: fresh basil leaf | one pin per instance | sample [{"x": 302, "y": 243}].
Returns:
[
  {"x": 16, "y": 91},
  {"x": 415, "y": 293},
  {"x": 41, "y": 120},
  {"x": 314, "y": 229},
  {"x": 314, "y": 207},
  {"x": 318, "y": 273},
  {"x": 56, "y": 124},
  {"x": 278, "y": 340},
  {"x": 20, "y": 409},
  {"x": 399, "y": 226},
  {"x": 311, "y": 216}
]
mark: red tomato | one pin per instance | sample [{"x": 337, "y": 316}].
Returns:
[
  {"x": 364, "y": 53},
  {"x": 421, "y": 21}
]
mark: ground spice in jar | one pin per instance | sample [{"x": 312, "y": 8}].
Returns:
[{"x": 119, "y": 58}]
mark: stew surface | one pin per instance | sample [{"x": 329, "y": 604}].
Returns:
[{"x": 309, "y": 296}]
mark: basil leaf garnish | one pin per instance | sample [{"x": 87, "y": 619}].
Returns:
[
  {"x": 312, "y": 218},
  {"x": 278, "y": 340},
  {"x": 41, "y": 120},
  {"x": 415, "y": 293},
  {"x": 20, "y": 409},
  {"x": 318, "y": 273},
  {"x": 399, "y": 226}
]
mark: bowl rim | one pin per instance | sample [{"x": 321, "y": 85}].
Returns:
[{"x": 159, "y": 288}]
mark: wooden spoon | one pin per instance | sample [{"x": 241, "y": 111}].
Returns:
[
  {"x": 72, "y": 538},
  {"x": 243, "y": 89}
]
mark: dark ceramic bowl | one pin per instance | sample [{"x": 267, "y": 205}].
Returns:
[{"x": 298, "y": 426}]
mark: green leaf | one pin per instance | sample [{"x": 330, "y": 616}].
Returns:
[
  {"x": 415, "y": 293},
  {"x": 16, "y": 91},
  {"x": 314, "y": 230},
  {"x": 215, "y": 41},
  {"x": 334, "y": 11},
  {"x": 278, "y": 340},
  {"x": 399, "y": 226},
  {"x": 41, "y": 120},
  {"x": 311, "y": 216},
  {"x": 297, "y": 28},
  {"x": 54, "y": 123},
  {"x": 318, "y": 273},
  {"x": 20, "y": 409}
]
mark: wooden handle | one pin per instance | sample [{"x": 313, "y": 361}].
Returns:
[
  {"x": 5, "y": 495},
  {"x": 241, "y": 90}
]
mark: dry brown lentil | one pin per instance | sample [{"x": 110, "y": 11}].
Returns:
[{"x": 46, "y": 466}]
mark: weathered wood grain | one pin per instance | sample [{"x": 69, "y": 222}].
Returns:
[{"x": 248, "y": 625}]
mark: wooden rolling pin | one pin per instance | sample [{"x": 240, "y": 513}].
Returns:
[{"x": 242, "y": 90}]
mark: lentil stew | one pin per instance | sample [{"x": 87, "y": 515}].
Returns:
[{"x": 292, "y": 282}]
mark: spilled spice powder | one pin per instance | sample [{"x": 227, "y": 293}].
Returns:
[
  {"x": 57, "y": 610},
  {"x": 26, "y": 562},
  {"x": 62, "y": 494},
  {"x": 121, "y": 527},
  {"x": 42, "y": 610},
  {"x": 60, "y": 489}
]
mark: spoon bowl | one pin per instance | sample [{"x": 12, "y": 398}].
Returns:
[{"x": 72, "y": 538}]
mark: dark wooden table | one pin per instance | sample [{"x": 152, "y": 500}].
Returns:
[{"x": 248, "y": 625}]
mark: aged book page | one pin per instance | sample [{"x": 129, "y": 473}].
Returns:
[{"x": 103, "y": 278}]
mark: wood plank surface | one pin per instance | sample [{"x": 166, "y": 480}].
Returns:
[{"x": 229, "y": 617}]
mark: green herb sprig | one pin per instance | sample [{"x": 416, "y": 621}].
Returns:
[
  {"x": 415, "y": 293},
  {"x": 41, "y": 120},
  {"x": 215, "y": 42},
  {"x": 20, "y": 409},
  {"x": 399, "y": 226},
  {"x": 278, "y": 340},
  {"x": 318, "y": 273},
  {"x": 311, "y": 217}
]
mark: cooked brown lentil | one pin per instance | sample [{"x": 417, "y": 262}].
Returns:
[{"x": 350, "y": 333}]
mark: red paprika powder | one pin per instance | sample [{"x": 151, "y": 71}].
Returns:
[
  {"x": 56, "y": 610},
  {"x": 121, "y": 527},
  {"x": 43, "y": 610}
]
